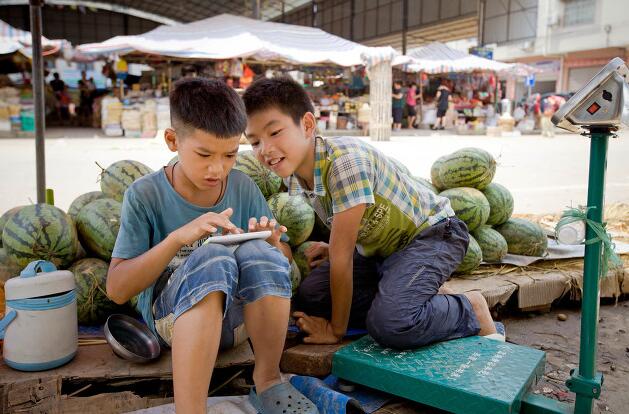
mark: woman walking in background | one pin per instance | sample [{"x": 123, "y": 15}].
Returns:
[
  {"x": 397, "y": 105},
  {"x": 411, "y": 101},
  {"x": 442, "y": 98}
]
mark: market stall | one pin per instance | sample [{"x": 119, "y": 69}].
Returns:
[
  {"x": 473, "y": 83},
  {"x": 16, "y": 94},
  {"x": 225, "y": 38}
]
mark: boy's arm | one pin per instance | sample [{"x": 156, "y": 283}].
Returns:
[
  {"x": 128, "y": 277},
  {"x": 343, "y": 237}
]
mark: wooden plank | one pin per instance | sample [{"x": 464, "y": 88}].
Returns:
[
  {"x": 98, "y": 361},
  {"x": 24, "y": 396},
  {"x": 110, "y": 403}
]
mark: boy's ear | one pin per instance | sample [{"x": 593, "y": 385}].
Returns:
[
  {"x": 170, "y": 136},
  {"x": 310, "y": 124}
]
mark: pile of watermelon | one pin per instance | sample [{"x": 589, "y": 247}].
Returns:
[
  {"x": 465, "y": 177},
  {"x": 81, "y": 240}
]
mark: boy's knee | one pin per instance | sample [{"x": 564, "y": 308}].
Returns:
[
  {"x": 477, "y": 300},
  {"x": 254, "y": 250},
  {"x": 210, "y": 251},
  {"x": 390, "y": 327}
]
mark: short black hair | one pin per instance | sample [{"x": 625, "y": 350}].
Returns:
[
  {"x": 208, "y": 105},
  {"x": 281, "y": 92}
]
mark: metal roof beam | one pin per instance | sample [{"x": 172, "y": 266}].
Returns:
[{"x": 102, "y": 6}]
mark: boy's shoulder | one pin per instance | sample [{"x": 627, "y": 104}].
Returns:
[{"x": 145, "y": 187}]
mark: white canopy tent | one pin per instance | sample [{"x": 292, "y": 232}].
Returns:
[
  {"x": 226, "y": 36},
  {"x": 439, "y": 58},
  {"x": 15, "y": 40}
]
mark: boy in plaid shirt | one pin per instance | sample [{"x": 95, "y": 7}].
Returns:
[{"x": 392, "y": 244}]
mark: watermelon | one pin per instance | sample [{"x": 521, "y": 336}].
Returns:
[
  {"x": 426, "y": 184},
  {"x": 434, "y": 173},
  {"x": 173, "y": 160},
  {"x": 268, "y": 182},
  {"x": 469, "y": 204},
  {"x": 5, "y": 217},
  {"x": 467, "y": 167},
  {"x": 98, "y": 224},
  {"x": 500, "y": 203},
  {"x": 295, "y": 275},
  {"x": 8, "y": 267},
  {"x": 83, "y": 200},
  {"x": 92, "y": 304},
  {"x": 299, "y": 256},
  {"x": 41, "y": 231},
  {"x": 472, "y": 259},
  {"x": 115, "y": 180},
  {"x": 524, "y": 237},
  {"x": 492, "y": 244},
  {"x": 294, "y": 213}
]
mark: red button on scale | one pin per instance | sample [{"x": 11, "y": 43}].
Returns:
[{"x": 593, "y": 108}]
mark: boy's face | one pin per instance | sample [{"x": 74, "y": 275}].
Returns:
[
  {"x": 279, "y": 143},
  {"x": 205, "y": 159}
]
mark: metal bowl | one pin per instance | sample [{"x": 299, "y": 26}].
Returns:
[{"x": 131, "y": 339}]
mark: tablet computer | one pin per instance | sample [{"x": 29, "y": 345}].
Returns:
[{"x": 228, "y": 239}]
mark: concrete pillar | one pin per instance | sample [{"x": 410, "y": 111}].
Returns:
[{"x": 380, "y": 86}]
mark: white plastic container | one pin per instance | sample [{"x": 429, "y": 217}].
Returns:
[
  {"x": 573, "y": 233},
  {"x": 40, "y": 327}
]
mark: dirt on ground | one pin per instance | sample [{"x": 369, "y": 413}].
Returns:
[{"x": 560, "y": 340}]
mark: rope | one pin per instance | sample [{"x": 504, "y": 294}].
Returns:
[{"x": 610, "y": 258}]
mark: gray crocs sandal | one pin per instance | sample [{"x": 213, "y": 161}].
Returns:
[{"x": 282, "y": 398}]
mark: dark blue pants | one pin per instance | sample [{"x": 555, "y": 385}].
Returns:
[{"x": 396, "y": 298}]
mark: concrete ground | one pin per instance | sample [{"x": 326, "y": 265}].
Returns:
[{"x": 545, "y": 175}]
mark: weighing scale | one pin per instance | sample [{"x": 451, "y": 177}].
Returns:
[{"x": 479, "y": 375}]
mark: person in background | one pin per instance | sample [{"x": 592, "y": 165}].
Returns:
[
  {"x": 397, "y": 105},
  {"x": 442, "y": 98},
  {"x": 230, "y": 81},
  {"x": 411, "y": 101}
]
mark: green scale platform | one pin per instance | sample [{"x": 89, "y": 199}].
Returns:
[{"x": 468, "y": 375}]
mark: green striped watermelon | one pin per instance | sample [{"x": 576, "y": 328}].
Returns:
[
  {"x": 5, "y": 217},
  {"x": 268, "y": 182},
  {"x": 472, "y": 259},
  {"x": 295, "y": 275},
  {"x": 115, "y": 180},
  {"x": 426, "y": 184},
  {"x": 524, "y": 237},
  {"x": 467, "y": 167},
  {"x": 469, "y": 204},
  {"x": 294, "y": 213},
  {"x": 492, "y": 244},
  {"x": 41, "y": 231},
  {"x": 500, "y": 203},
  {"x": 434, "y": 173},
  {"x": 83, "y": 200},
  {"x": 8, "y": 267},
  {"x": 299, "y": 256},
  {"x": 98, "y": 224},
  {"x": 92, "y": 304}
]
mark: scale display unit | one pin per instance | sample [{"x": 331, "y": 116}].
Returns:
[{"x": 477, "y": 375}]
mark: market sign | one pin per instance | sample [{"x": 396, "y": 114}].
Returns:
[{"x": 484, "y": 52}]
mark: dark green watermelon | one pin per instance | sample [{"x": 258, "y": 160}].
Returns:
[
  {"x": 98, "y": 224},
  {"x": 8, "y": 267},
  {"x": 268, "y": 182},
  {"x": 492, "y": 244},
  {"x": 500, "y": 203},
  {"x": 524, "y": 237},
  {"x": 294, "y": 213},
  {"x": 92, "y": 304},
  {"x": 5, "y": 217},
  {"x": 469, "y": 204},
  {"x": 83, "y": 200},
  {"x": 115, "y": 179},
  {"x": 41, "y": 231},
  {"x": 472, "y": 259}
]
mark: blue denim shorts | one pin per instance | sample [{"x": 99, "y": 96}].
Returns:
[{"x": 245, "y": 273}]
